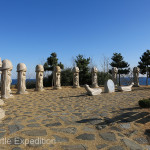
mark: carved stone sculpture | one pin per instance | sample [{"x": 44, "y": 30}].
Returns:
[
  {"x": 109, "y": 86},
  {"x": 57, "y": 77},
  {"x": 136, "y": 71},
  {"x": 21, "y": 80},
  {"x": 93, "y": 91},
  {"x": 6, "y": 79},
  {"x": 39, "y": 77},
  {"x": 125, "y": 88},
  {"x": 94, "y": 77},
  {"x": 114, "y": 75},
  {"x": 76, "y": 77}
]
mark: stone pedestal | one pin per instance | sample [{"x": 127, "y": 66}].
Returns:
[
  {"x": 6, "y": 79},
  {"x": 21, "y": 79},
  {"x": 57, "y": 77},
  {"x": 94, "y": 77},
  {"x": 136, "y": 72},
  {"x": 114, "y": 75},
  {"x": 39, "y": 78},
  {"x": 76, "y": 77}
]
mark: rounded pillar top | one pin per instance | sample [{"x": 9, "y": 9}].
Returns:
[
  {"x": 6, "y": 64},
  {"x": 39, "y": 68},
  {"x": 94, "y": 69},
  {"x": 114, "y": 70},
  {"x": 76, "y": 69},
  {"x": 136, "y": 69},
  {"x": 21, "y": 67},
  {"x": 57, "y": 69}
]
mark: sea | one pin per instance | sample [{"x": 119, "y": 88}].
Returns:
[{"x": 124, "y": 81}]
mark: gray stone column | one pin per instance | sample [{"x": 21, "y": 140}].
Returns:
[
  {"x": 76, "y": 77},
  {"x": 6, "y": 79},
  {"x": 136, "y": 72},
  {"x": 57, "y": 77},
  {"x": 94, "y": 77},
  {"x": 114, "y": 75},
  {"x": 21, "y": 79},
  {"x": 39, "y": 78}
]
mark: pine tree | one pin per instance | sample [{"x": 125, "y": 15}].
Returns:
[
  {"x": 117, "y": 61},
  {"x": 144, "y": 64}
]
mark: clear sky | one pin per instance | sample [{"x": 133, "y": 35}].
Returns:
[{"x": 30, "y": 30}]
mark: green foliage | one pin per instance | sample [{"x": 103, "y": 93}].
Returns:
[
  {"x": 30, "y": 84},
  {"x": 67, "y": 77},
  {"x": 84, "y": 74},
  {"x": 52, "y": 61},
  {"x": 145, "y": 103},
  {"x": 103, "y": 77},
  {"x": 145, "y": 62},
  {"x": 117, "y": 61},
  {"x": 47, "y": 81}
]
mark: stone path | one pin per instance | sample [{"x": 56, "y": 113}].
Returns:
[{"x": 68, "y": 119}]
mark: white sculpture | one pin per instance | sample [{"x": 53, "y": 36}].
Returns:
[
  {"x": 125, "y": 88},
  {"x": 114, "y": 75},
  {"x": 94, "y": 77},
  {"x": 39, "y": 77},
  {"x": 21, "y": 80},
  {"x": 57, "y": 77},
  {"x": 93, "y": 91},
  {"x": 109, "y": 86},
  {"x": 76, "y": 77},
  {"x": 6, "y": 79},
  {"x": 136, "y": 71}
]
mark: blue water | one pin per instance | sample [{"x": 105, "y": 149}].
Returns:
[
  {"x": 14, "y": 81},
  {"x": 124, "y": 81}
]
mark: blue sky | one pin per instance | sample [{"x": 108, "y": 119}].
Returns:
[{"x": 32, "y": 29}]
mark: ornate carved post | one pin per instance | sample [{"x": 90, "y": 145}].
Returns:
[
  {"x": 94, "y": 77},
  {"x": 57, "y": 77},
  {"x": 136, "y": 72},
  {"x": 39, "y": 77},
  {"x": 76, "y": 77}
]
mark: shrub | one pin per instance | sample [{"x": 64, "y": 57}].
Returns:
[
  {"x": 145, "y": 103},
  {"x": 30, "y": 84}
]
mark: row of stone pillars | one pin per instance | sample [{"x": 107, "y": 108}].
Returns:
[
  {"x": 136, "y": 72},
  {"x": 5, "y": 71}
]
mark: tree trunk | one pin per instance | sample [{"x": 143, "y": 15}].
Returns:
[{"x": 119, "y": 79}]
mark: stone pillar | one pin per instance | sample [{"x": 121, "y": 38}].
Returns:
[
  {"x": 57, "y": 77},
  {"x": 136, "y": 72},
  {"x": 6, "y": 79},
  {"x": 39, "y": 78},
  {"x": 114, "y": 75},
  {"x": 94, "y": 77},
  {"x": 76, "y": 77},
  {"x": 21, "y": 79}
]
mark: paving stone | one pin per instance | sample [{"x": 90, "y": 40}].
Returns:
[
  {"x": 100, "y": 127},
  {"x": 33, "y": 120},
  {"x": 15, "y": 128},
  {"x": 34, "y": 143},
  {"x": 2, "y": 134},
  {"x": 108, "y": 136},
  {"x": 35, "y": 132},
  {"x": 73, "y": 147},
  {"x": 70, "y": 130},
  {"x": 53, "y": 124},
  {"x": 116, "y": 148},
  {"x": 132, "y": 145},
  {"x": 60, "y": 139},
  {"x": 33, "y": 125},
  {"x": 115, "y": 128},
  {"x": 104, "y": 114},
  {"x": 125, "y": 125},
  {"x": 86, "y": 136},
  {"x": 16, "y": 148},
  {"x": 141, "y": 140},
  {"x": 88, "y": 129},
  {"x": 101, "y": 146}
]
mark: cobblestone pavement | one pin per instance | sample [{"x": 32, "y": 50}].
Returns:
[{"x": 68, "y": 119}]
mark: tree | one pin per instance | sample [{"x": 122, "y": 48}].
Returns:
[
  {"x": 144, "y": 64},
  {"x": 82, "y": 63},
  {"x": 51, "y": 62},
  {"x": 117, "y": 61}
]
